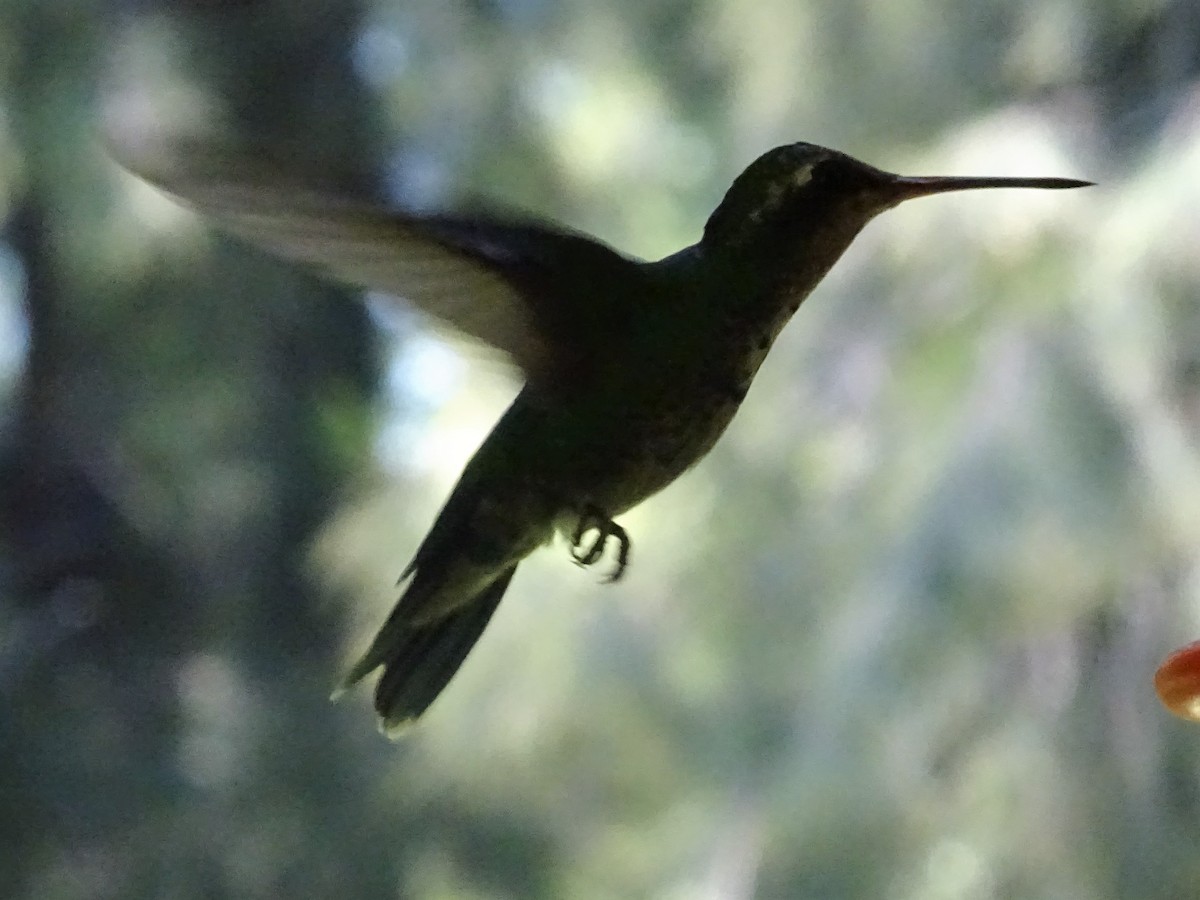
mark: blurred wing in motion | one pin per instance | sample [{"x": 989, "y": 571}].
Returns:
[{"x": 510, "y": 284}]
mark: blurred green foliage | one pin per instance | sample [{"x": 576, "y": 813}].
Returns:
[{"x": 894, "y": 638}]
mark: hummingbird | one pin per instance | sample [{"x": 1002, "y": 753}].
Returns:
[{"x": 632, "y": 369}]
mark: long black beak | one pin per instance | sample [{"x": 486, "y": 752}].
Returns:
[{"x": 903, "y": 187}]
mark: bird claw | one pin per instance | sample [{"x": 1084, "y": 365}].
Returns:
[{"x": 592, "y": 519}]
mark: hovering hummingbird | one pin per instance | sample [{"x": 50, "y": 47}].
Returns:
[{"x": 632, "y": 369}]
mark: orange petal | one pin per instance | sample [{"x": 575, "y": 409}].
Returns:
[{"x": 1178, "y": 682}]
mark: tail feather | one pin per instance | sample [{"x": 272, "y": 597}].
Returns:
[{"x": 419, "y": 660}]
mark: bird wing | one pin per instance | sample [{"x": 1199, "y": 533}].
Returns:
[{"x": 507, "y": 283}]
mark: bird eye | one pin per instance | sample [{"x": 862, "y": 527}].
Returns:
[{"x": 833, "y": 174}]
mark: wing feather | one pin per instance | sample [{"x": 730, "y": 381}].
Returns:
[{"x": 504, "y": 282}]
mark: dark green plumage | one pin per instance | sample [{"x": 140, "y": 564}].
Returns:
[{"x": 633, "y": 369}]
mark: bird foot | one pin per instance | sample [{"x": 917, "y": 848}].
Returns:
[{"x": 593, "y": 519}]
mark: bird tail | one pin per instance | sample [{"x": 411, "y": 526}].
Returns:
[{"x": 419, "y": 658}]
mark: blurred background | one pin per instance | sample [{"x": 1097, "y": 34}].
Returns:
[{"x": 894, "y": 638}]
